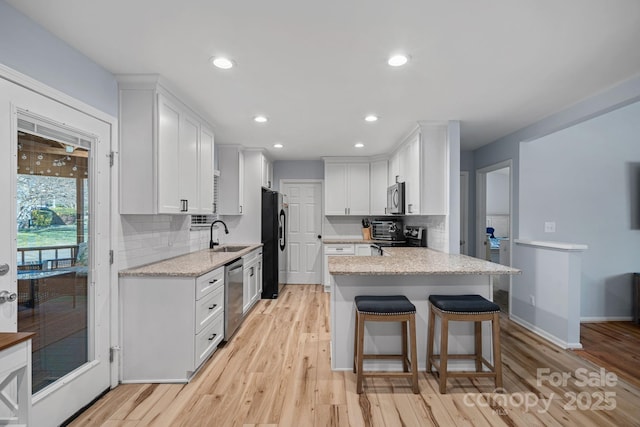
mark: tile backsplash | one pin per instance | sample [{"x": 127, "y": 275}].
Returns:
[{"x": 150, "y": 238}]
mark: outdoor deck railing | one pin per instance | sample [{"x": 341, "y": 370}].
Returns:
[{"x": 42, "y": 253}]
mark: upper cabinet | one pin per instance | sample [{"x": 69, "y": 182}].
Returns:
[
  {"x": 378, "y": 187},
  {"x": 267, "y": 172},
  {"x": 231, "y": 181},
  {"x": 165, "y": 153},
  {"x": 422, "y": 164},
  {"x": 346, "y": 188}
]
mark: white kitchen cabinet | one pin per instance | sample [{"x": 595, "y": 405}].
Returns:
[
  {"x": 346, "y": 188},
  {"x": 378, "y": 187},
  {"x": 252, "y": 279},
  {"x": 267, "y": 172},
  {"x": 162, "y": 157},
  {"x": 205, "y": 182},
  {"x": 341, "y": 249},
  {"x": 394, "y": 168},
  {"x": 231, "y": 183},
  {"x": 434, "y": 158},
  {"x": 170, "y": 325},
  {"x": 363, "y": 249},
  {"x": 410, "y": 172}
]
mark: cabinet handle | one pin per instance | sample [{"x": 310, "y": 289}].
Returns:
[
  {"x": 397, "y": 178},
  {"x": 184, "y": 205},
  {"x": 213, "y": 306},
  {"x": 212, "y": 337},
  {"x": 215, "y": 208},
  {"x": 251, "y": 274},
  {"x": 211, "y": 282},
  {"x": 240, "y": 208},
  {"x": 410, "y": 207},
  {"x": 340, "y": 249}
]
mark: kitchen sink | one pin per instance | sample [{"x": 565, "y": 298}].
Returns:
[{"x": 229, "y": 248}]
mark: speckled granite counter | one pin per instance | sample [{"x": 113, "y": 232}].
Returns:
[
  {"x": 193, "y": 264},
  {"x": 414, "y": 261}
]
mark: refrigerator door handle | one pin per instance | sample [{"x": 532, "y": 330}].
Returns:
[{"x": 283, "y": 230}]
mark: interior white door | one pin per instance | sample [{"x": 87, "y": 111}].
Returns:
[
  {"x": 63, "y": 397},
  {"x": 304, "y": 229}
]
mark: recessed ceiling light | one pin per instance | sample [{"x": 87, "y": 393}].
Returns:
[
  {"x": 398, "y": 60},
  {"x": 260, "y": 119},
  {"x": 359, "y": 145},
  {"x": 222, "y": 62},
  {"x": 277, "y": 145},
  {"x": 371, "y": 118}
]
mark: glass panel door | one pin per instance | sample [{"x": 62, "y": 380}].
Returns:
[{"x": 52, "y": 201}]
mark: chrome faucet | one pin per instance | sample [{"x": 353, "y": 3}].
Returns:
[{"x": 226, "y": 231}]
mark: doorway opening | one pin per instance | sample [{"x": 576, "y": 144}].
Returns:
[{"x": 494, "y": 224}]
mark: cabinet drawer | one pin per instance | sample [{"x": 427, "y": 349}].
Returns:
[
  {"x": 209, "y": 307},
  {"x": 208, "y": 339},
  {"x": 208, "y": 282}
]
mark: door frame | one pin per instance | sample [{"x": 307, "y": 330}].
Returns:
[
  {"x": 62, "y": 98},
  {"x": 284, "y": 181},
  {"x": 481, "y": 211}
]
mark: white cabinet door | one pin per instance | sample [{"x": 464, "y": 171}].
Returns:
[
  {"x": 205, "y": 187},
  {"x": 410, "y": 162},
  {"x": 394, "y": 168},
  {"x": 363, "y": 250},
  {"x": 188, "y": 164},
  {"x": 378, "y": 188},
  {"x": 346, "y": 188},
  {"x": 335, "y": 188},
  {"x": 267, "y": 172},
  {"x": 434, "y": 140},
  {"x": 231, "y": 183},
  {"x": 358, "y": 187},
  {"x": 168, "y": 156}
]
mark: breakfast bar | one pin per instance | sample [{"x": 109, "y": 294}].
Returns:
[{"x": 415, "y": 273}]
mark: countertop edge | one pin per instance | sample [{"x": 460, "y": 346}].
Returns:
[{"x": 147, "y": 270}]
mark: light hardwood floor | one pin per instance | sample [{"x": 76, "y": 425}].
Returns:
[{"x": 276, "y": 372}]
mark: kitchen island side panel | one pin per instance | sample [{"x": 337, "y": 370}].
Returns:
[{"x": 385, "y": 337}]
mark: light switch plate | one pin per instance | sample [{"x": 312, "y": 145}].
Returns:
[{"x": 549, "y": 227}]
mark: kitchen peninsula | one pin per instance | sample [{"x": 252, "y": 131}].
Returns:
[{"x": 415, "y": 273}]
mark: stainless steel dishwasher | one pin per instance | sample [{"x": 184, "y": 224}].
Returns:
[{"x": 233, "y": 295}]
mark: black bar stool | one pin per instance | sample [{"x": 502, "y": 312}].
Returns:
[
  {"x": 394, "y": 308},
  {"x": 465, "y": 308}
]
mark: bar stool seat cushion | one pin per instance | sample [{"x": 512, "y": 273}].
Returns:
[
  {"x": 463, "y": 304},
  {"x": 384, "y": 304}
]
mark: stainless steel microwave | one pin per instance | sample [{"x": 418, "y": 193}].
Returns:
[{"x": 395, "y": 199}]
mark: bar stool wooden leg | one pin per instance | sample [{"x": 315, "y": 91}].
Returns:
[
  {"x": 414, "y": 355},
  {"x": 430, "y": 338},
  {"x": 497, "y": 359},
  {"x": 405, "y": 353},
  {"x": 478, "y": 345},
  {"x": 355, "y": 343},
  {"x": 360, "y": 353},
  {"x": 444, "y": 353}
]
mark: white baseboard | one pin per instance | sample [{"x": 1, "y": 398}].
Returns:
[
  {"x": 544, "y": 334},
  {"x": 606, "y": 319}
]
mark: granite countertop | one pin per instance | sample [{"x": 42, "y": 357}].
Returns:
[
  {"x": 414, "y": 261},
  {"x": 193, "y": 264}
]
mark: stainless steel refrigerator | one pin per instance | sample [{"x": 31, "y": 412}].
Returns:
[{"x": 274, "y": 241}]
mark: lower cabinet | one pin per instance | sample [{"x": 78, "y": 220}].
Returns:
[
  {"x": 252, "y": 279},
  {"x": 341, "y": 249},
  {"x": 170, "y": 325}
]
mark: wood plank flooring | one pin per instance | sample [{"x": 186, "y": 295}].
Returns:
[
  {"x": 614, "y": 346},
  {"x": 276, "y": 372}
]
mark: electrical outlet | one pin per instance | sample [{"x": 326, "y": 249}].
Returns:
[
  {"x": 549, "y": 227},
  {"x": 532, "y": 300}
]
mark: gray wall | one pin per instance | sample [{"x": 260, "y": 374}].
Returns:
[
  {"x": 508, "y": 147},
  {"x": 585, "y": 179},
  {"x": 296, "y": 169},
  {"x": 30, "y": 49}
]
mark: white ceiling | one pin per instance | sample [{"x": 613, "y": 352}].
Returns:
[{"x": 317, "y": 68}]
